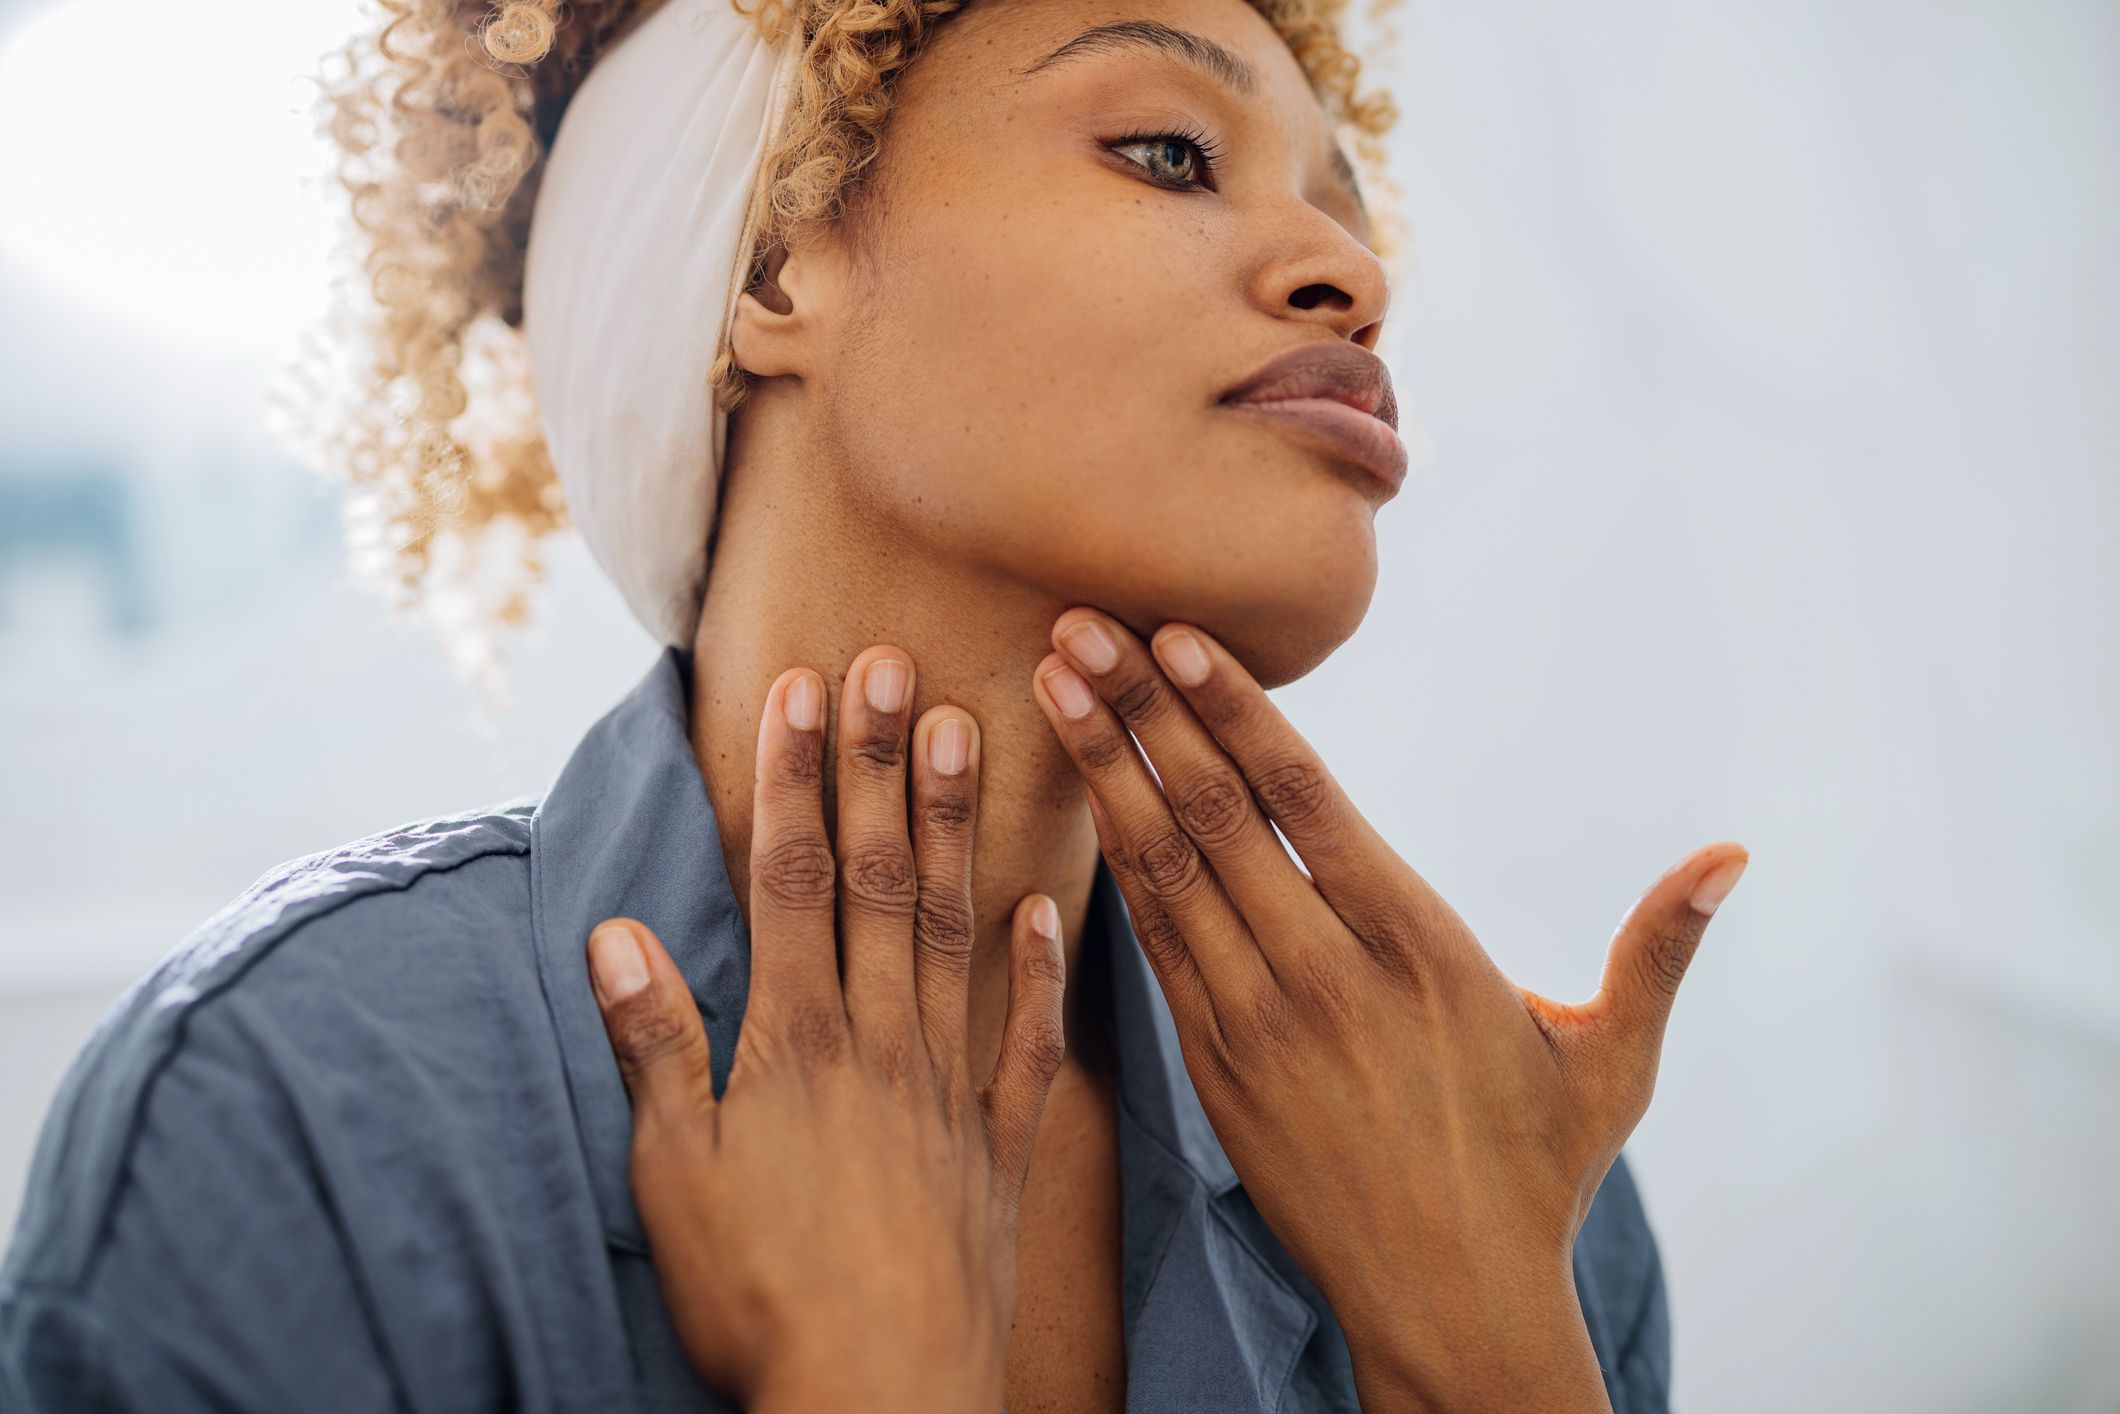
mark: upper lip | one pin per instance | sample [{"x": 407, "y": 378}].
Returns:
[{"x": 1343, "y": 372}]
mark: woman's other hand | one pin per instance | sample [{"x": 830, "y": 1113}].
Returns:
[
  {"x": 838, "y": 1230},
  {"x": 1422, "y": 1134}
]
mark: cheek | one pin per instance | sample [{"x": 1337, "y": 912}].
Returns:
[
  {"x": 1038, "y": 343},
  {"x": 1036, "y": 391}
]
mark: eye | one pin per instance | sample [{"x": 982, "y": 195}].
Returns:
[{"x": 1178, "y": 153}]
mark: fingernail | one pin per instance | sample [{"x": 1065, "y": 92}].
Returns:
[
  {"x": 949, "y": 744},
  {"x": 616, "y": 961},
  {"x": 799, "y": 703},
  {"x": 883, "y": 683},
  {"x": 1713, "y": 889},
  {"x": 1045, "y": 918},
  {"x": 1184, "y": 658},
  {"x": 1088, "y": 641},
  {"x": 1070, "y": 691}
]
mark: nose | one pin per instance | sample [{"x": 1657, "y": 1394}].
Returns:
[{"x": 1317, "y": 271}]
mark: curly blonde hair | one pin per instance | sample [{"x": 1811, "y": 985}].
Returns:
[{"x": 415, "y": 391}]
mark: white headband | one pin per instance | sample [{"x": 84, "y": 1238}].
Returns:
[{"x": 646, "y": 210}]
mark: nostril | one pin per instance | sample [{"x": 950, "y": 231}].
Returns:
[{"x": 1311, "y": 296}]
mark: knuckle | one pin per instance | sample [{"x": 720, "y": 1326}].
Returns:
[
  {"x": 1223, "y": 708},
  {"x": 1331, "y": 988},
  {"x": 799, "y": 763},
  {"x": 1401, "y": 965},
  {"x": 879, "y": 879},
  {"x": 943, "y": 923},
  {"x": 815, "y": 1032},
  {"x": 947, "y": 813},
  {"x": 1139, "y": 700},
  {"x": 796, "y": 872},
  {"x": 1663, "y": 961},
  {"x": 1274, "y": 1023},
  {"x": 1212, "y": 811},
  {"x": 1161, "y": 940},
  {"x": 1391, "y": 934},
  {"x": 880, "y": 750},
  {"x": 644, "y": 1033},
  {"x": 1101, "y": 751},
  {"x": 1294, "y": 791},
  {"x": 1043, "y": 1046},
  {"x": 1045, "y": 970},
  {"x": 1170, "y": 863}
]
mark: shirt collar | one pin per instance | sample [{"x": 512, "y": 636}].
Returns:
[{"x": 627, "y": 830}]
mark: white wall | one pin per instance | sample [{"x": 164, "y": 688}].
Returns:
[{"x": 1769, "y": 354}]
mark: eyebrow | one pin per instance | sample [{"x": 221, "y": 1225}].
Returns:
[
  {"x": 1210, "y": 58},
  {"x": 1197, "y": 50}
]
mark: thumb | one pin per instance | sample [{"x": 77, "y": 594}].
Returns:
[
  {"x": 1655, "y": 944},
  {"x": 1033, "y": 1038},
  {"x": 655, "y": 1028}
]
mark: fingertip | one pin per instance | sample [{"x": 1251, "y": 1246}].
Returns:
[
  {"x": 949, "y": 738},
  {"x": 884, "y": 673},
  {"x": 1040, "y": 692},
  {"x": 1182, "y": 651},
  {"x": 1716, "y": 885},
  {"x": 618, "y": 963},
  {"x": 1045, "y": 918},
  {"x": 1062, "y": 622}
]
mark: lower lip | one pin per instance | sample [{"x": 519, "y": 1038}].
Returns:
[{"x": 1369, "y": 442}]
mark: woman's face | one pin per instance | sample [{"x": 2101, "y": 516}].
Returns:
[{"x": 1025, "y": 370}]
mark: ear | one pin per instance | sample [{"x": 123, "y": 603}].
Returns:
[{"x": 782, "y": 320}]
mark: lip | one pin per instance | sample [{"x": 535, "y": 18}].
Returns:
[{"x": 1339, "y": 394}]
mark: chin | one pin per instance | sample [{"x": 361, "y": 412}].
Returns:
[
  {"x": 1281, "y": 641},
  {"x": 1282, "y": 614}
]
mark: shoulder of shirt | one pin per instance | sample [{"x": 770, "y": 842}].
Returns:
[
  {"x": 303, "y": 895},
  {"x": 300, "y": 891},
  {"x": 82, "y": 1149}
]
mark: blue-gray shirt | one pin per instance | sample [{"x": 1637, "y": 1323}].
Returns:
[{"x": 359, "y": 1143}]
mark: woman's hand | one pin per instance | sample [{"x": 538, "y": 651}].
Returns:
[
  {"x": 838, "y": 1230},
  {"x": 1422, "y": 1134}
]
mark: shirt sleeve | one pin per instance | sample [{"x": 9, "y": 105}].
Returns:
[
  {"x": 202, "y": 1266},
  {"x": 59, "y": 1355}
]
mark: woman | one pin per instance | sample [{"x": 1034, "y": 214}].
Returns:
[{"x": 1039, "y": 417}]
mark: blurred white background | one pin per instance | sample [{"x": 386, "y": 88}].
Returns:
[{"x": 1768, "y": 354}]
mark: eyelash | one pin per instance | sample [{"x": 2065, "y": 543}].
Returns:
[{"x": 1199, "y": 142}]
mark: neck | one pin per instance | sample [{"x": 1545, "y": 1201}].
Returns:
[{"x": 804, "y": 574}]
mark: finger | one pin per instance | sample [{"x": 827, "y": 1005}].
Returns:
[
  {"x": 877, "y": 884},
  {"x": 654, "y": 1026},
  {"x": 1207, "y": 794},
  {"x": 794, "y": 950},
  {"x": 1169, "y": 873},
  {"x": 1651, "y": 951},
  {"x": 945, "y": 815},
  {"x": 1191, "y": 1005},
  {"x": 1033, "y": 1039},
  {"x": 1356, "y": 870}
]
